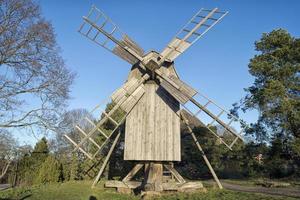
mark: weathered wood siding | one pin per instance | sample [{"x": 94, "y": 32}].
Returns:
[{"x": 153, "y": 127}]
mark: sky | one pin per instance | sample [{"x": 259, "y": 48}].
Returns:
[{"x": 216, "y": 65}]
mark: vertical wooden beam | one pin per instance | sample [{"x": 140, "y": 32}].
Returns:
[
  {"x": 202, "y": 152},
  {"x": 153, "y": 177},
  {"x": 106, "y": 159}
]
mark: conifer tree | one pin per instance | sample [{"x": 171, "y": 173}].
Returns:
[
  {"x": 75, "y": 168},
  {"x": 50, "y": 171},
  {"x": 40, "y": 152}
]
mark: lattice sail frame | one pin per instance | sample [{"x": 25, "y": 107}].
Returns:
[
  {"x": 123, "y": 99},
  {"x": 103, "y": 31},
  {"x": 199, "y": 24},
  {"x": 221, "y": 122},
  {"x": 196, "y": 103}
]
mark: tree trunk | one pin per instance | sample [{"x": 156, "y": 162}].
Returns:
[{"x": 5, "y": 169}]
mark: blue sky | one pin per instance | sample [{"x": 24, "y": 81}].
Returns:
[{"x": 216, "y": 65}]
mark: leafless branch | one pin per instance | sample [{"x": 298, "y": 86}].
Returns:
[{"x": 34, "y": 81}]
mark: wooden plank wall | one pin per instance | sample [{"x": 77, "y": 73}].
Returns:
[{"x": 153, "y": 127}]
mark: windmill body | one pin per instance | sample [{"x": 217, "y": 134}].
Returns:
[
  {"x": 153, "y": 103},
  {"x": 152, "y": 129}
]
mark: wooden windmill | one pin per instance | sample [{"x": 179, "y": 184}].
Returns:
[{"x": 152, "y": 104}]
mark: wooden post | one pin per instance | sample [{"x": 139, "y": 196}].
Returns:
[
  {"x": 153, "y": 177},
  {"x": 202, "y": 152},
  {"x": 106, "y": 159}
]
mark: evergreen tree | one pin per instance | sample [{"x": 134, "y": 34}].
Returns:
[
  {"x": 275, "y": 93},
  {"x": 40, "y": 152},
  {"x": 75, "y": 168},
  {"x": 50, "y": 171},
  {"x": 65, "y": 165},
  {"x": 30, "y": 163},
  {"x": 276, "y": 89}
]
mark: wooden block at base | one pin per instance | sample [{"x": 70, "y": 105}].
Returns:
[
  {"x": 171, "y": 186},
  {"x": 124, "y": 190},
  {"x": 120, "y": 184},
  {"x": 191, "y": 186}
]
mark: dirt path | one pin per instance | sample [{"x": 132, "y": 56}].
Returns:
[
  {"x": 289, "y": 192},
  {"x": 4, "y": 186}
]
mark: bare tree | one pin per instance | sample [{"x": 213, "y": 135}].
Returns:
[
  {"x": 34, "y": 81},
  {"x": 67, "y": 126},
  {"x": 8, "y": 147}
]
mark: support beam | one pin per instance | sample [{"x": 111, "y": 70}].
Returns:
[
  {"x": 107, "y": 159},
  {"x": 178, "y": 177},
  {"x": 202, "y": 152},
  {"x": 134, "y": 170}
]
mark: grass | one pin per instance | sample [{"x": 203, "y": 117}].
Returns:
[{"x": 82, "y": 190}]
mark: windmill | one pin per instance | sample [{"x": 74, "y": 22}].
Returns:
[{"x": 151, "y": 105}]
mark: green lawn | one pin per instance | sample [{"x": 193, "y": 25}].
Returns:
[{"x": 82, "y": 191}]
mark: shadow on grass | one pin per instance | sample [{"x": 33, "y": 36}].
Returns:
[
  {"x": 92, "y": 198},
  {"x": 18, "y": 198}
]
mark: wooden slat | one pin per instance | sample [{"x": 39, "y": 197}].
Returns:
[
  {"x": 180, "y": 90},
  {"x": 173, "y": 49},
  {"x": 74, "y": 143},
  {"x": 176, "y": 93},
  {"x": 98, "y": 129},
  {"x": 183, "y": 87},
  {"x": 122, "y": 53},
  {"x": 133, "y": 45},
  {"x": 91, "y": 139},
  {"x": 111, "y": 119},
  {"x": 233, "y": 142},
  {"x": 132, "y": 99}
]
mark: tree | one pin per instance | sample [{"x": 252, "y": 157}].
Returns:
[
  {"x": 50, "y": 171},
  {"x": 75, "y": 168},
  {"x": 275, "y": 95},
  {"x": 30, "y": 68},
  {"x": 8, "y": 148},
  {"x": 67, "y": 126},
  {"x": 276, "y": 88},
  {"x": 31, "y": 162},
  {"x": 40, "y": 151}
]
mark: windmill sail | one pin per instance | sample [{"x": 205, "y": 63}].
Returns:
[
  {"x": 221, "y": 123},
  {"x": 89, "y": 143},
  {"x": 209, "y": 110},
  {"x": 179, "y": 89},
  {"x": 103, "y": 31},
  {"x": 191, "y": 32}
]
